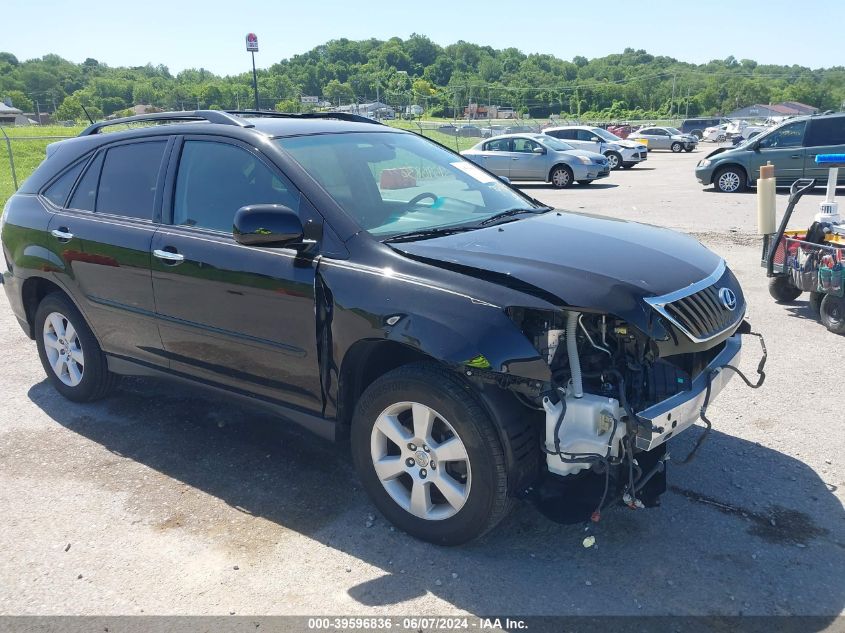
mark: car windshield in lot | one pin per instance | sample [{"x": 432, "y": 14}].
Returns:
[
  {"x": 552, "y": 143},
  {"x": 401, "y": 184},
  {"x": 607, "y": 136},
  {"x": 673, "y": 130}
]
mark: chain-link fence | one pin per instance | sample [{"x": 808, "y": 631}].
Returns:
[{"x": 23, "y": 148}]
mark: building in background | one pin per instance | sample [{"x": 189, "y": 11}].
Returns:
[{"x": 784, "y": 109}]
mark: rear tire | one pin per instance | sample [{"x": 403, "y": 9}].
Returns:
[
  {"x": 424, "y": 406},
  {"x": 69, "y": 352},
  {"x": 697, "y": 134},
  {"x": 688, "y": 149},
  {"x": 815, "y": 302},
  {"x": 782, "y": 290},
  {"x": 730, "y": 180},
  {"x": 676, "y": 148},
  {"x": 832, "y": 313},
  {"x": 561, "y": 177}
]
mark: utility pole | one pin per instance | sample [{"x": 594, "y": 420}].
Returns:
[
  {"x": 686, "y": 115},
  {"x": 672, "y": 100},
  {"x": 37, "y": 112}
]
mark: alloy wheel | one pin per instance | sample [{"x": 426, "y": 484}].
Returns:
[
  {"x": 613, "y": 161},
  {"x": 420, "y": 461},
  {"x": 729, "y": 181},
  {"x": 63, "y": 349}
]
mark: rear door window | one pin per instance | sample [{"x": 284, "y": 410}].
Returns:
[
  {"x": 85, "y": 195},
  {"x": 499, "y": 145},
  {"x": 826, "y": 131},
  {"x": 128, "y": 179}
]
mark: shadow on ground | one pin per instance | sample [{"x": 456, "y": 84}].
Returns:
[{"x": 744, "y": 529}]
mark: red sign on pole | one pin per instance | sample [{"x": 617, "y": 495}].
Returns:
[{"x": 251, "y": 43}]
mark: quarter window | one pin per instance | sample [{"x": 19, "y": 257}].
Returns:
[
  {"x": 128, "y": 180},
  {"x": 216, "y": 179},
  {"x": 58, "y": 192}
]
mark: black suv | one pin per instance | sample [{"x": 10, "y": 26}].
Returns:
[
  {"x": 469, "y": 343},
  {"x": 696, "y": 127}
]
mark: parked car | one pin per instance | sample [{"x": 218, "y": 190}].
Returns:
[
  {"x": 470, "y": 131},
  {"x": 620, "y": 153},
  {"x": 739, "y": 140},
  {"x": 716, "y": 133},
  {"x": 696, "y": 127},
  {"x": 491, "y": 131},
  {"x": 622, "y": 131},
  {"x": 447, "y": 129},
  {"x": 666, "y": 138},
  {"x": 791, "y": 147},
  {"x": 376, "y": 287},
  {"x": 538, "y": 157}
]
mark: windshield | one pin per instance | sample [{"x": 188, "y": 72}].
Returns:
[
  {"x": 607, "y": 136},
  {"x": 673, "y": 130},
  {"x": 393, "y": 183},
  {"x": 556, "y": 144}
]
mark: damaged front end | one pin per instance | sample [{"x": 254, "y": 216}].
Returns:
[{"x": 617, "y": 396}]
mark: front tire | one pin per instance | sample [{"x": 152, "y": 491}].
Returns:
[
  {"x": 429, "y": 456},
  {"x": 614, "y": 159},
  {"x": 730, "y": 180},
  {"x": 676, "y": 148},
  {"x": 832, "y": 313},
  {"x": 69, "y": 352},
  {"x": 782, "y": 290},
  {"x": 561, "y": 177}
]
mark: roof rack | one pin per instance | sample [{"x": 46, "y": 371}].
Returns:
[
  {"x": 340, "y": 116},
  {"x": 210, "y": 116}
]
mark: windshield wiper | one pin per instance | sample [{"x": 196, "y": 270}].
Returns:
[
  {"x": 424, "y": 233},
  {"x": 511, "y": 212}
]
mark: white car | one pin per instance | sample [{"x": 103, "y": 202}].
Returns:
[
  {"x": 715, "y": 134},
  {"x": 619, "y": 152}
]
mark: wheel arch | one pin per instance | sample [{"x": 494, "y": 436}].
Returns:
[
  {"x": 720, "y": 168},
  {"x": 555, "y": 166},
  {"x": 33, "y": 290},
  {"x": 516, "y": 426}
]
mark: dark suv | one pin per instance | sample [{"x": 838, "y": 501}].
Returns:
[
  {"x": 469, "y": 343},
  {"x": 696, "y": 127}
]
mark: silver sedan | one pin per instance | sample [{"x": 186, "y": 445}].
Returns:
[
  {"x": 665, "y": 138},
  {"x": 538, "y": 157}
]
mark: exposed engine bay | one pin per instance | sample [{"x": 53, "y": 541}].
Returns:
[{"x": 609, "y": 407}]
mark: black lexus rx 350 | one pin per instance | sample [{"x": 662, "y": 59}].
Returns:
[{"x": 470, "y": 344}]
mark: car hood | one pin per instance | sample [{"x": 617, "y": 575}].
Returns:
[
  {"x": 630, "y": 144},
  {"x": 718, "y": 151},
  {"x": 574, "y": 259},
  {"x": 582, "y": 152}
]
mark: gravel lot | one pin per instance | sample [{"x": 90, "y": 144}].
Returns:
[{"x": 162, "y": 500}]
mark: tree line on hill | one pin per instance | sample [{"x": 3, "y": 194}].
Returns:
[{"x": 443, "y": 79}]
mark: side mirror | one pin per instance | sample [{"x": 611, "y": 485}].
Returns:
[
  {"x": 595, "y": 139},
  {"x": 539, "y": 150},
  {"x": 505, "y": 179},
  {"x": 267, "y": 225}
]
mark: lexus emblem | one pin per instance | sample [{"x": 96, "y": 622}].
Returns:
[{"x": 728, "y": 298}]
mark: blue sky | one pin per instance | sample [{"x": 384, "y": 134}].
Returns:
[{"x": 210, "y": 34}]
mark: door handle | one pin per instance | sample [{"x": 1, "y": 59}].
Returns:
[
  {"x": 62, "y": 234},
  {"x": 169, "y": 257},
  {"x": 795, "y": 156}
]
